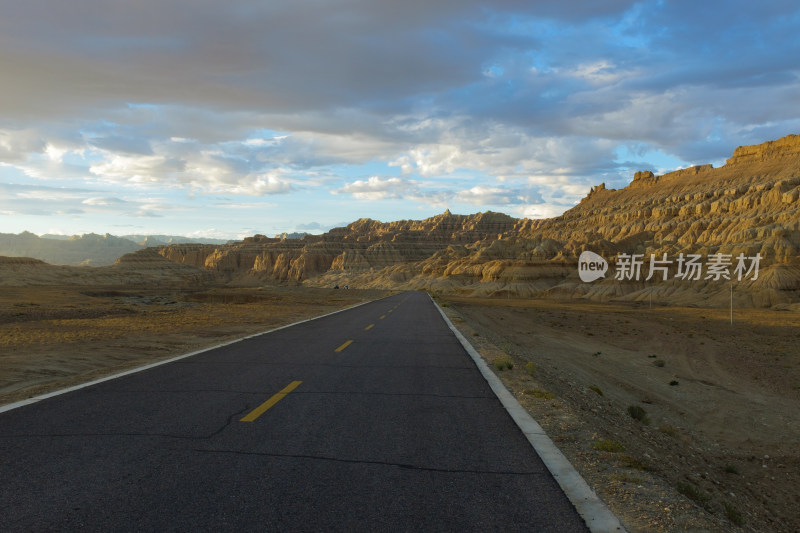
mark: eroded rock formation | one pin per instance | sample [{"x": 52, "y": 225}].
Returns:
[{"x": 749, "y": 206}]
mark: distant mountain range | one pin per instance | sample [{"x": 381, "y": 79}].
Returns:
[{"x": 85, "y": 250}]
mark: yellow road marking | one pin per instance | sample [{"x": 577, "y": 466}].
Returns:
[
  {"x": 261, "y": 409},
  {"x": 383, "y": 316},
  {"x": 343, "y": 346},
  {"x": 369, "y": 327}
]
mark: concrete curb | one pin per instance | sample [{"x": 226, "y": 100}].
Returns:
[
  {"x": 28, "y": 401},
  {"x": 597, "y": 516}
]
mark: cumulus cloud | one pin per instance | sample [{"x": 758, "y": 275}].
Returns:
[
  {"x": 103, "y": 201},
  {"x": 483, "y": 195},
  {"x": 378, "y": 188}
]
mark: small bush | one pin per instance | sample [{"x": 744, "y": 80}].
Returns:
[
  {"x": 503, "y": 363},
  {"x": 530, "y": 368},
  {"x": 638, "y": 413},
  {"x": 596, "y": 389},
  {"x": 659, "y": 363},
  {"x": 692, "y": 492},
  {"x": 674, "y": 383},
  {"x": 732, "y": 469},
  {"x": 445, "y": 304},
  {"x": 539, "y": 394},
  {"x": 605, "y": 445},
  {"x": 669, "y": 430},
  {"x": 733, "y": 514},
  {"x": 632, "y": 462}
]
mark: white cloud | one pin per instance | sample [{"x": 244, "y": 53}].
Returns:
[
  {"x": 601, "y": 72},
  {"x": 137, "y": 168},
  {"x": 258, "y": 186},
  {"x": 377, "y": 188},
  {"x": 545, "y": 210},
  {"x": 103, "y": 201},
  {"x": 484, "y": 195}
]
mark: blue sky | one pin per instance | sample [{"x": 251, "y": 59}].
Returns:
[{"x": 225, "y": 119}]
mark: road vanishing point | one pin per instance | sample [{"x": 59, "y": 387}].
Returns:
[{"x": 370, "y": 419}]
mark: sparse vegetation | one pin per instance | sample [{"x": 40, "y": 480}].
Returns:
[
  {"x": 732, "y": 469},
  {"x": 632, "y": 462},
  {"x": 503, "y": 363},
  {"x": 693, "y": 493},
  {"x": 530, "y": 368},
  {"x": 733, "y": 514},
  {"x": 668, "y": 430},
  {"x": 638, "y": 413},
  {"x": 605, "y": 445},
  {"x": 539, "y": 394},
  {"x": 596, "y": 389},
  {"x": 445, "y": 304},
  {"x": 674, "y": 383},
  {"x": 659, "y": 363}
]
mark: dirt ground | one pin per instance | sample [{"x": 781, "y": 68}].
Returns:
[
  {"x": 715, "y": 447},
  {"x": 55, "y": 337}
]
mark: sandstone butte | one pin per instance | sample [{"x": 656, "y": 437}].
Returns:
[{"x": 751, "y": 205}]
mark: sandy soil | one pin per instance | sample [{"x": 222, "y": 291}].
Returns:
[
  {"x": 719, "y": 451},
  {"x": 55, "y": 337}
]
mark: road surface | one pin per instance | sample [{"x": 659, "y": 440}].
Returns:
[{"x": 371, "y": 419}]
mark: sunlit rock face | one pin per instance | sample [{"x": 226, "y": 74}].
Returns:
[{"x": 749, "y": 206}]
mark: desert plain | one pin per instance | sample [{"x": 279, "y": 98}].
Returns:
[{"x": 714, "y": 448}]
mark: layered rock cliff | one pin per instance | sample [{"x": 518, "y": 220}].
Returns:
[
  {"x": 749, "y": 206},
  {"x": 363, "y": 246}
]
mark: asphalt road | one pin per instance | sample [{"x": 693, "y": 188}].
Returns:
[{"x": 372, "y": 419}]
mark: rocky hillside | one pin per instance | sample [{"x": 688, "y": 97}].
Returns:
[
  {"x": 365, "y": 246},
  {"x": 749, "y": 206}
]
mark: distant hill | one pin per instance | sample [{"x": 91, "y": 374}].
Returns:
[{"x": 84, "y": 250}]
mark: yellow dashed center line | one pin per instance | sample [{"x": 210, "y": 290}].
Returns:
[
  {"x": 343, "y": 346},
  {"x": 261, "y": 409},
  {"x": 382, "y": 317},
  {"x": 369, "y": 327}
]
